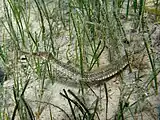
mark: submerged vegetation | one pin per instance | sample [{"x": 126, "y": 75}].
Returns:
[{"x": 46, "y": 42}]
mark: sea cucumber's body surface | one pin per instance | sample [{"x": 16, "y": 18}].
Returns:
[{"x": 1, "y": 76}]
